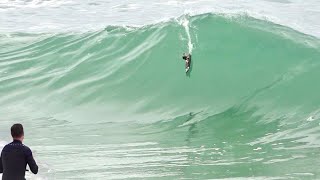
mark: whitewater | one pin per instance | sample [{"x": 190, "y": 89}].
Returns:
[{"x": 102, "y": 92}]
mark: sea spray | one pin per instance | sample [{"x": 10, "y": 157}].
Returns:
[{"x": 186, "y": 23}]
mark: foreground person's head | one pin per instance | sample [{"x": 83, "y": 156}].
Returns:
[{"x": 17, "y": 132}]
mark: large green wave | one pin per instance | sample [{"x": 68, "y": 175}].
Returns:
[{"x": 235, "y": 60}]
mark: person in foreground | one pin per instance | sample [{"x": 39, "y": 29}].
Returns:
[{"x": 15, "y": 156}]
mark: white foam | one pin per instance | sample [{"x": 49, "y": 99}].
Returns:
[
  {"x": 185, "y": 23},
  {"x": 34, "y": 15},
  {"x": 310, "y": 118}
]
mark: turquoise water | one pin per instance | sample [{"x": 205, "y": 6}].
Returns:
[{"x": 115, "y": 102}]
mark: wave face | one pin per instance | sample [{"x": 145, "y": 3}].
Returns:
[{"x": 117, "y": 103}]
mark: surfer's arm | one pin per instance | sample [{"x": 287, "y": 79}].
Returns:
[{"x": 31, "y": 162}]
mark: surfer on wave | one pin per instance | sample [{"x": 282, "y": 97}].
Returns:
[{"x": 187, "y": 58}]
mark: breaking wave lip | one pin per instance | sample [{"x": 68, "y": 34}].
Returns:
[
  {"x": 185, "y": 21},
  {"x": 270, "y": 12}
]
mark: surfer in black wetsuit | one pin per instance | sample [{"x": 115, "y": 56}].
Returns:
[
  {"x": 187, "y": 58},
  {"x": 15, "y": 156}
]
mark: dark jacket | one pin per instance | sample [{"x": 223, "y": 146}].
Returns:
[{"x": 14, "y": 159}]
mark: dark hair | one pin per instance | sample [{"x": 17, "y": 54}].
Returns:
[{"x": 17, "y": 131}]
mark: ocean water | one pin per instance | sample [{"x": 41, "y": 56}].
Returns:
[{"x": 102, "y": 92}]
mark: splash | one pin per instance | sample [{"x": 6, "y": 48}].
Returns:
[{"x": 186, "y": 24}]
